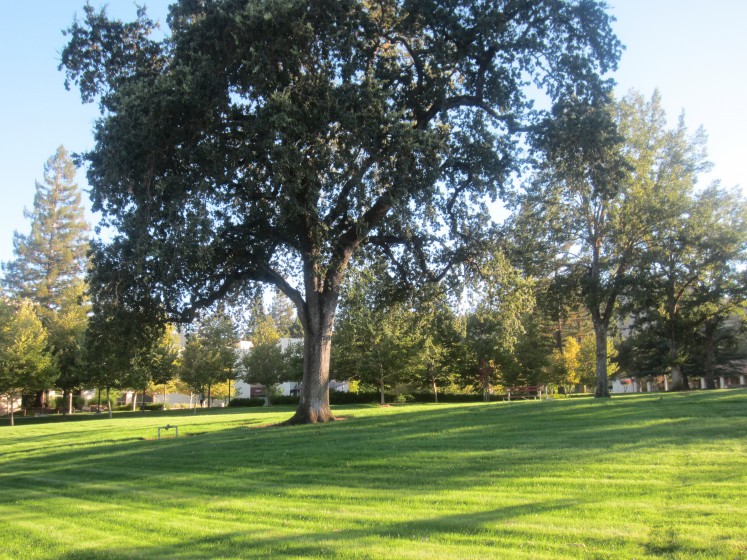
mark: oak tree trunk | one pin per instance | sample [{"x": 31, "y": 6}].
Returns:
[
  {"x": 318, "y": 320},
  {"x": 679, "y": 382}
]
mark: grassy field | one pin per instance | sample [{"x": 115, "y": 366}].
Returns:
[{"x": 633, "y": 477}]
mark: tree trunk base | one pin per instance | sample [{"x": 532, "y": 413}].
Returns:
[
  {"x": 602, "y": 393},
  {"x": 307, "y": 415}
]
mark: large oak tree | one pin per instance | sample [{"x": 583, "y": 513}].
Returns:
[{"x": 269, "y": 140}]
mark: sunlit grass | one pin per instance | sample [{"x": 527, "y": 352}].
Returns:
[{"x": 633, "y": 477}]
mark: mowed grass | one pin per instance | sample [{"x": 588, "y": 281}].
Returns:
[{"x": 662, "y": 476}]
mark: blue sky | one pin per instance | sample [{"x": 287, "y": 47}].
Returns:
[{"x": 694, "y": 52}]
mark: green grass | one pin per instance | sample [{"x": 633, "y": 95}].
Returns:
[{"x": 633, "y": 477}]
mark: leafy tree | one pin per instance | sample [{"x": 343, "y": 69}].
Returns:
[
  {"x": 437, "y": 331},
  {"x": 375, "y": 336},
  {"x": 693, "y": 276},
  {"x": 265, "y": 332},
  {"x": 264, "y": 365},
  {"x": 494, "y": 325},
  {"x": 66, "y": 325},
  {"x": 157, "y": 364},
  {"x": 209, "y": 355},
  {"x": 51, "y": 260},
  {"x": 309, "y": 131},
  {"x": 283, "y": 315},
  {"x": 115, "y": 340},
  {"x": 25, "y": 361},
  {"x": 612, "y": 174},
  {"x": 565, "y": 367}
]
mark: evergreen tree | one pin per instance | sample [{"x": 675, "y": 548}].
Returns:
[
  {"x": 49, "y": 265},
  {"x": 51, "y": 259}
]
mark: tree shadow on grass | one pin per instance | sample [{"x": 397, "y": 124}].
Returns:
[
  {"x": 412, "y": 451},
  {"x": 328, "y": 543}
]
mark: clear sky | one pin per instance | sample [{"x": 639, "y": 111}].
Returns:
[{"x": 694, "y": 52}]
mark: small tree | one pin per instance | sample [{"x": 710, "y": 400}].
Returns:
[
  {"x": 501, "y": 298},
  {"x": 25, "y": 361},
  {"x": 209, "y": 355},
  {"x": 264, "y": 365}
]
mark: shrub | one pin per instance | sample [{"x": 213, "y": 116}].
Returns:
[
  {"x": 254, "y": 401},
  {"x": 154, "y": 406},
  {"x": 285, "y": 399}
]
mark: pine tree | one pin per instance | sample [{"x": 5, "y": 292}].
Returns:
[
  {"x": 52, "y": 257},
  {"x": 50, "y": 263}
]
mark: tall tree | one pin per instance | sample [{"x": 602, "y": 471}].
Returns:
[
  {"x": 25, "y": 360},
  {"x": 613, "y": 172},
  {"x": 51, "y": 259},
  {"x": 693, "y": 276},
  {"x": 271, "y": 141},
  {"x": 375, "y": 337},
  {"x": 50, "y": 263}
]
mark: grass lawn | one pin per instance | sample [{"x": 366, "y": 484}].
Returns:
[{"x": 633, "y": 477}]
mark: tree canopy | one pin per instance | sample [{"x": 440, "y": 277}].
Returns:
[{"x": 270, "y": 140}]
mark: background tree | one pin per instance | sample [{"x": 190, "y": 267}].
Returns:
[
  {"x": 264, "y": 365},
  {"x": 157, "y": 365},
  {"x": 49, "y": 266},
  {"x": 375, "y": 336},
  {"x": 209, "y": 355},
  {"x": 114, "y": 340},
  {"x": 438, "y": 332},
  {"x": 51, "y": 259},
  {"x": 283, "y": 314},
  {"x": 310, "y": 130},
  {"x": 25, "y": 360},
  {"x": 612, "y": 174},
  {"x": 66, "y": 325},
  {"x": 693, "y": 277},
  {"x": 501, "y": 298}
]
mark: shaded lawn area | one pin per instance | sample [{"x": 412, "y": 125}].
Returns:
[{"x": 662, "y": 476}]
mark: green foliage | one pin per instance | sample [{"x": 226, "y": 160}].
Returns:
[
  {"x": 501, "y": 298},
  {"x": 25, "y": 361},
  {"x": 693, "y": 278},
  {"x": 264, "y": 365},
  {"x": 247, "y": 402},
  {"x": 51, "y": 259},
  {"x": 377, "y": 339},
  {"x": 308, "y": 132},
  {"x": 49, "y": 265},
  {"x": 209, "y": 355},
  {"x": 67, "y": 325}
]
